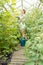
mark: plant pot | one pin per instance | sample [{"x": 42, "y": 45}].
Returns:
[
  {"x": 22, "y": 41},
  {"x": 4, "y": 63},
  {"x": 8, "y": 56}
]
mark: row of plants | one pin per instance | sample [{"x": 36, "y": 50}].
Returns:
[
  {"x": 9, "y": 34},
  {"x": 34, "y": 32},
  {"x": 9, "y": 30}
]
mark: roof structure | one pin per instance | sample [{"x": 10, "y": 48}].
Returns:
[
  {"x": 26, "y": 4},
  {"x": 22, "y": 4}
]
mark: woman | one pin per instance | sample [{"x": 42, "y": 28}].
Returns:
[{"x": 22, "y": 23}]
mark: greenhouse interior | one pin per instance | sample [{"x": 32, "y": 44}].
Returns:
[{"x": 21, "y": 32}]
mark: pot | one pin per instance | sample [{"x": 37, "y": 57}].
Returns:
[{"x": 3, "y": 63}]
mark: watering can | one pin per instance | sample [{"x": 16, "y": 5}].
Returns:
[{"x": 22, "y": 41}]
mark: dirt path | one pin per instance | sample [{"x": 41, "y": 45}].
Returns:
[{"x": 18, "y": 57}]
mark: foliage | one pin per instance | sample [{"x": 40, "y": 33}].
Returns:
[
  {"x": 9, "y": 29},
  {"x": 34, "y": 45},
  {"x": 41, "y": 1},
  {"x": 7, "y": 5},
  {"x": 34, "y": 22}
]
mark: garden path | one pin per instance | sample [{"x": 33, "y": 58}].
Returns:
[{"x": 18, "y": 57}]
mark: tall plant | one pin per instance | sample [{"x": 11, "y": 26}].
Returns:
[
  {"x": 9, "y": 30},
  {"x": 34, "y": 45}
]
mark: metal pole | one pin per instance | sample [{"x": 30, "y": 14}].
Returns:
[{"x": 22, "y": 3}]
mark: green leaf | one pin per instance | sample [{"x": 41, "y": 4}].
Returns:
[
  {"x": 40, "y": 63},
  {"x": 41, "y": 1},
  {"x": 29, "y": 63}
]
